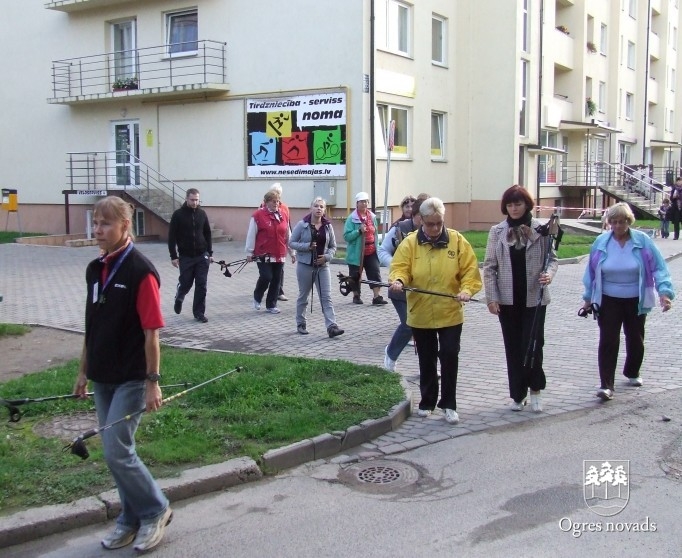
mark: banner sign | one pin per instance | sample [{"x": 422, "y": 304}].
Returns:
[{"x": 297, "y": 137}]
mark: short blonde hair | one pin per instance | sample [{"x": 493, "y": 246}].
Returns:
[
  {"x": 620, "y": 210},
  {"x": 319, "y": 199}
]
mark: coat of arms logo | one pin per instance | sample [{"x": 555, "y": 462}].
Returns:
[{"x": 606, "y": 486}]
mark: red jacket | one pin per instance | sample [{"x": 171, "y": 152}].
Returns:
[{"x": 272, "y": 233}]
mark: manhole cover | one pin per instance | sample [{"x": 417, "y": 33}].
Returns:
[
  {"x": 380, "y": 475},
  {"x": 66, "y": 427}
]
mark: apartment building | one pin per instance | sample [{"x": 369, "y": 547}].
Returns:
[{"x": 152, "y": 97}]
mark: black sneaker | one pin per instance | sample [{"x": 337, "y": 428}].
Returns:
[
  {"x": 201, "y": 318},
  {"x": 334, "y": 331},
  {"x": 302, "y": 329},
  {"x": 357, "y": 299},
  {"x": 378, "y": 300},
  {"x": 177, "y": 306}
]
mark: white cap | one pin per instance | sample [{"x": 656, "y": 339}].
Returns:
[{"x": 362, "y": 196}]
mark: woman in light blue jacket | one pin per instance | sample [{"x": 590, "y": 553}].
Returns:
[
  {"x": 313, "y": 239},
  {"x": 624, "y": 272}
]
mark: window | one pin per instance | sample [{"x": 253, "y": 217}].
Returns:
[
  {"x": 625, "y": 152},
  {"x": 603, "y": 39},
  {"x": 124, "y": 39},
  {"x": 602, "y": 97},
  {"x": 183, "y": 32},
  {"x": 523, "y": 109},
  {"x": 629, "y": 105},
  {"x": 548, "y": 163},
  {"x": 138, "y": 228},
  {"x": 671, "y": 79},
  {"x": 670, "y": 121},
  {"x": 525, "y": 45},
  {"x": 674, "y": 38},
  {"x": 631, "y": 55},
  {"x": 393, "y": 29},
  {"x": 632, "y": 9},
  {"x": 438, "y": 42},
  {"x": 437, "y": 136},
  {"x": 400, "y": 138}
]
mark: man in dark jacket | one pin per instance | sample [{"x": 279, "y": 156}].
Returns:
[
  {"x": 191, "y": 233},
  {"x": 675, "y": 209}
]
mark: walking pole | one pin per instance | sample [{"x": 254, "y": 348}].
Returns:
[
  {"x": 553, "y": 232},
  {"x": 77, "y": 446},
  {"x": 346, "y": 286}
]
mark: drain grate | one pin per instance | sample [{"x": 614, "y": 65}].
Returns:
[{"x": 380, "y": 474}]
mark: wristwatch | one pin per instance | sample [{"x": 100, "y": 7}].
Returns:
[{"x": 153, "y": 377}]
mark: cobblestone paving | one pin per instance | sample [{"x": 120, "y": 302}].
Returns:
[{"x": 45, "y": 286}]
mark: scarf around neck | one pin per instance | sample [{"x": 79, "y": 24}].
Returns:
[{"x": 519, "y": 231}]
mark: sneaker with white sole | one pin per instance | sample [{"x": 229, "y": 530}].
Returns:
[
  {"x": 282, "y": 297},
  {"x": 518, "y": 406},
  {"x": 273, "y": 310},
  {"x": 605, "y": 394},
  {"x": 536, "y": 402},
  {"x": 635, "y": 382},
  {"x": 256, "y": 304},
  {"x": 423, "y": 413},
  {"x": 451, "y": 416},
  {"x": 121, "y": 536},
  {"x": 389, "y": 364},
  {"x": 150, "y": 535}
]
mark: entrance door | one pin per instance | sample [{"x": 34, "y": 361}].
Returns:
[
  {"x": 124, "y": 45},
  {"x": 126, "y": 137}
]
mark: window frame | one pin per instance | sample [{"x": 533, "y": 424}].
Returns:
[
  {"x": 629, "y": 105},
  {"x": 601, "y": 105},
  {"x": 386, "y": 114},
  {"x": 441, "y": 128},
  {"x": 184, "y": 46},
  {"x": 631, "y": 56},
  {"x": 389, "y": 30},
  {"x": 603, "y": 38},
  {"x": 523, "y": 97},
  {"x": 443, "y": 40}
]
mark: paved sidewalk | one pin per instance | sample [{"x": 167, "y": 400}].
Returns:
[{"x": 45, "y": 286}]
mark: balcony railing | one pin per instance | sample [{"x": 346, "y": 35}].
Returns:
[{"x": 164, "y": 69}]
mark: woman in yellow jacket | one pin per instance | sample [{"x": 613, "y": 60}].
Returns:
[{"x": 439, "y": 259}]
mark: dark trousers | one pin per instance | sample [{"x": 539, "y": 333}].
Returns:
[
  {"x": 517, "y": 322},
  {"x": 614, "y": 313},
  {"x": 371, "y": 266},
  {"x": 194, "y": 270},
  {"x": 270, "y": 275},
  {"x": 676, "y": 227},
  {"x": 429, "y": 353}
]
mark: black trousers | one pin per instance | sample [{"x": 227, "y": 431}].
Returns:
[
  {"x": 615, "y": 313},
  {"x": 372, "y": 269},
  {"x": 517, "y": 322},
  {"x": 194, "y": 270},
  {"x": 434, "y": 345},
  {"x": 270, "y": 275}
]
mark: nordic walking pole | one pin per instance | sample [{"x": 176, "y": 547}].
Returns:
[
  {"x": 346, "y": 286},
  {"x": 554, "y": 233},
  {"x": 77, "y": 446}
]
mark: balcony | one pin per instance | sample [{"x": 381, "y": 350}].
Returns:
[
  {"x": 81, "y": 5},
  {"x": 561, "y": 46},
  {"x": 159, "y": 72},
  {"x": 652, "y": 91},
  {"x": 654, "y": 46}
]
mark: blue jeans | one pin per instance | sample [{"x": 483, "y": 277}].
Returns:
[
  {"x": 403, "y": 332},
  {"x": 142, "y": 501}
]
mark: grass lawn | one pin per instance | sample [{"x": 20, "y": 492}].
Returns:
[
  {"x": 273, "y": 402},
  {"x": 10, "y": 236}
]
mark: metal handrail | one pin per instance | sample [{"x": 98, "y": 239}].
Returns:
[{"x": 149, "y": 67}]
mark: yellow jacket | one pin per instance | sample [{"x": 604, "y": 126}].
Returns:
[{"x": 449, "y": 267}]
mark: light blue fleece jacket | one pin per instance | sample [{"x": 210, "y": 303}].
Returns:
[{"x": 653, "y": 271}]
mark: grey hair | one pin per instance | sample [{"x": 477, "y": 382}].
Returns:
[
  {"x": 431, "y": 206},
  {"x": 277, "y": 187}
]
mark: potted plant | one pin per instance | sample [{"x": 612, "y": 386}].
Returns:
[
  {"x": 124, "y": 84},
  {"x": 591, "y": 47},
  {"x": 590, "y": 106},
  {"x": 563, "y": 29}
]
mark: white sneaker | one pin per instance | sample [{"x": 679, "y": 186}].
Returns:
[
  {"x": 605, "y": 394},
  {"x": 388, "y": 363},
  {"x": 273, "y": 310},
  {"x": 535, "y": 402},
  {"x": 635, "y": 382},
  {"x": 121, "y": 536},
  {"x": 423, "y": 413},
  {"x": 150, "y": 535},
  {"x": 518, "y": 406},
  {"x": 451, "y": 416},
  {"x": 256, "y": 304}
]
